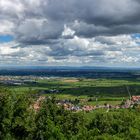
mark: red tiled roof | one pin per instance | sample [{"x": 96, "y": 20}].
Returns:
[{"x": 135, "y": 98}]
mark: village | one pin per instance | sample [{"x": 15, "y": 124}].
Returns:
[
  {"x": 129, "y": 103},
  {"x": 75, "y": 106},
  {"x": 20, "y": 80}
]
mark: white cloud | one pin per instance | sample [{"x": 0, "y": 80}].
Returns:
[
  {"x": 7, "y": 48},
  {"x": 130, "y": 59},
  {"x": 70, "y": 32},
  {"x": 6, "y": 27}
]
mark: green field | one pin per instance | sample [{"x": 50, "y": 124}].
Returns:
[{"x": 99, "y": 91}]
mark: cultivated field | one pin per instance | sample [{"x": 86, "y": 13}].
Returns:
[{"x": 91, "y": 91}]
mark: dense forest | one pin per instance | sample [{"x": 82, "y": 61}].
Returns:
[{"x": 20, "y": 121}]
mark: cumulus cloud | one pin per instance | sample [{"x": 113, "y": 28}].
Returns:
[
  {"x": 85, "y": 32},
  {"x": 6, "y": 27},
  {"x": 68, "y": 32}
]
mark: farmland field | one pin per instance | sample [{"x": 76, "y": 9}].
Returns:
[{"x": 97, "y": 91}]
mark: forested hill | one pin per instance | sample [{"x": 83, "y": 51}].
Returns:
[{"x": 20, "y": 121}]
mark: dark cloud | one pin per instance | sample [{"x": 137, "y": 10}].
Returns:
[
  {"x": 45, "y": 19},
  {"x": 37, "y": 21}
]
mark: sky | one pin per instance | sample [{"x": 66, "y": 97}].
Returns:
[{"x": 70, "y": 32}]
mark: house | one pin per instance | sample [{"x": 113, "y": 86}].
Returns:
[
  {"x": 88, "y": 108},
  {"x": 36, "y": 106},
  {"x": 135, "y": 99}
]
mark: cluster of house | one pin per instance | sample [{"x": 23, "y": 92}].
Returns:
[
  {"x": 86, "y": 108},
  {"x": 19, "y": 80},
  {"x": 127, "y": 104},
  {"x": 69, "y": 105},
  {"x": 135, "y": 99}
]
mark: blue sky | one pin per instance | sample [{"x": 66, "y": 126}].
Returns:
[
  {"x": 136, "y": 35},
  {"x": 6, "y": 38}
]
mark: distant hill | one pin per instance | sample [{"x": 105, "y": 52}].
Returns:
[{"x": 62, "y": 71}]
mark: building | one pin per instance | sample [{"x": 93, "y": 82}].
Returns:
[{"x": 135, "y": 99}]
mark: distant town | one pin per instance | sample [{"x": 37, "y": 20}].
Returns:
[{"x": 19, "y": 80}]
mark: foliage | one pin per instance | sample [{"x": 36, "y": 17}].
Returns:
[{"x": 19, "y": 121}]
